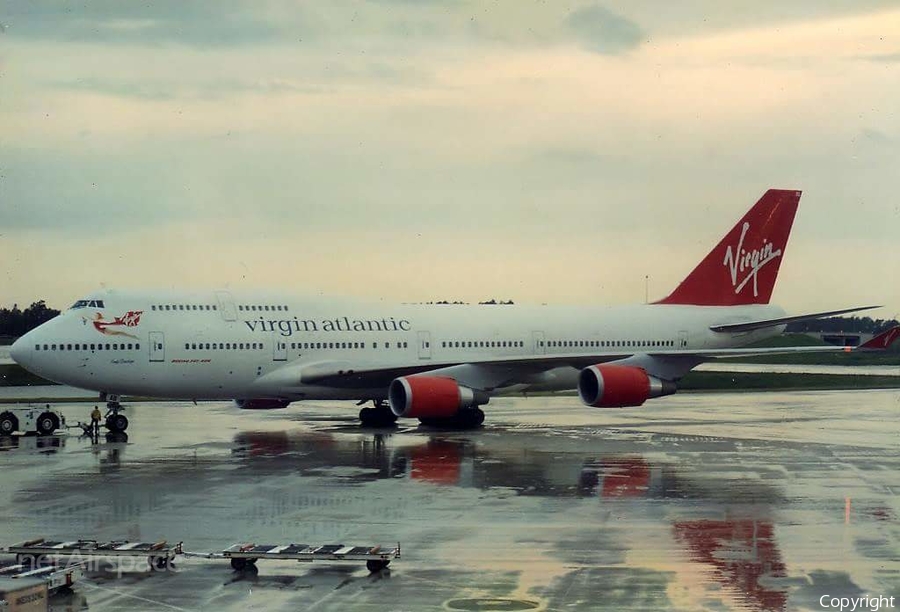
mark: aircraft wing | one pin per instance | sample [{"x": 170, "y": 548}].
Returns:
[
  {"x": 745, "y": 326},
  {"x": 501, "y": 372}
]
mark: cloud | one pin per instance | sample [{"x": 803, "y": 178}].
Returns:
[
  {"x": 225, "y": 23},
  {"x": 214, "y": 89},
  {"x": 886, "y": 58},
  {"x": 878, "y": 137},
  {"x": 602, "y": 31},
  {"x": 497, "y": 143}
]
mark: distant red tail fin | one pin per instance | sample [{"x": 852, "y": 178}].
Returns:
[
  {"x": 882, "y": 341},
  {"x": 742, "y": 268}
]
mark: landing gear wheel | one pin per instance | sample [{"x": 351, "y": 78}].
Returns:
[
  {"x": 117, "y": 423},
  {"x": 374, "y": 566},
  {"x": 379, "y": 416},
  {"x": 239, "y": 565},
  {"x": 8, "y": 424},
  {"x": 162, "y": 564},
  {"x": 471, "y": 418},
  {"x": 478, "y": 417},
  {"x": 46, "y": 424}
]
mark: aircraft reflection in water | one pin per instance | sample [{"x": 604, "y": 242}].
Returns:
[{"x": 739, "y": 553}]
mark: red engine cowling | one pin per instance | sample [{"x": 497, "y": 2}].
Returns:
[
  {"x": 617, "y": 386},
  {"x": 261, "y": 403},
  {"x": 430, "y": 397}
]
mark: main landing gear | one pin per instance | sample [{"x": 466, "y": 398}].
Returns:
[
  {"x": 470, "y": 418},
  {"x": 379, "y": 416},
  {"x": 116, "y": 422}
]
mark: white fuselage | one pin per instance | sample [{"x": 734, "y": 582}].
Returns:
[{"x": 223, "y": 344}]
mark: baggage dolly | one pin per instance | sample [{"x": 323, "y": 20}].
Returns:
[
  {"x": 55, "y": 577},
  {"x": 376, "y": 557},
  {"x": 160, "y": 555}
]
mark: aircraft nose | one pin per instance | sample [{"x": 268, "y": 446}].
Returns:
[{"x": 21, "y": 349}]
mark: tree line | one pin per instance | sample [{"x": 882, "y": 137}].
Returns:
[
  {"x": 15, "y": 322},
  {"x": 846, "y": 325}
]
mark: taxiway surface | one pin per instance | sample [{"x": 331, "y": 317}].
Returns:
[{"x": 752, "y": 501}]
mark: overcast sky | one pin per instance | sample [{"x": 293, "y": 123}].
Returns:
[{"x": 550, "y": 152}]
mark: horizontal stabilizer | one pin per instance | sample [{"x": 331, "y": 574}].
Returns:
[{"x": 752, "y": 325}]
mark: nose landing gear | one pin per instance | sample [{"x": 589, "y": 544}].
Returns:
[{"x": 116, "y": 422}]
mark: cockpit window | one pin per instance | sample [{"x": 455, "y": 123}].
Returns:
[{"x": 87, "y": 304}]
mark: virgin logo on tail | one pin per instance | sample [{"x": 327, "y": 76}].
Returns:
[
  {"x": 741, "y": 260},
  {"x": 752, "y": 250}
]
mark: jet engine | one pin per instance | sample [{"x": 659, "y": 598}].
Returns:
[
  {"x": 431, "y": 397},
  {"x": 261, "y": 403},
  {"x": 618, "y": 386}
]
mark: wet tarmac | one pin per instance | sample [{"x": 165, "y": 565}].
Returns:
[{"x": 752, "y": 501}]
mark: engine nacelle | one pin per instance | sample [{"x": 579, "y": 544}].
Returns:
[
  {"x": 431, "y": 397},
  {"x": 261, "y": 403},
  {"x": 618, "y": 386}
]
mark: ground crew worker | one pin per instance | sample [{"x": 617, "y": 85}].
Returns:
[{"x": 95, "y": 420}]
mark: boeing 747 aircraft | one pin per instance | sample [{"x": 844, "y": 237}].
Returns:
[{"x": 436, "y": 363}]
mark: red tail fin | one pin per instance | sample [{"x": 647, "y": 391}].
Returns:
[
  {"x": 742, "y": 268},
  {"x": 882, "y": 341}
]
